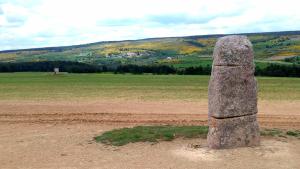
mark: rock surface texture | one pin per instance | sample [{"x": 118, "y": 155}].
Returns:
[{"x": 232, "y": 95}]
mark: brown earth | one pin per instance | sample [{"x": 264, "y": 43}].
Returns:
[
  {"x": 279, "y": 114},
  {"x": 70, "y": 146},
  {"x": 60, "y": 135}
]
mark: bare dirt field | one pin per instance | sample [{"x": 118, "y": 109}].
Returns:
[
  {"x": 66, "y": 146},
  {"x": 278, "y": 114},
  {"x": 60, "y": 135}
]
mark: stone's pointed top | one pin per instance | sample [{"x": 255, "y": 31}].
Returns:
[{"x": 234, "y": 50}]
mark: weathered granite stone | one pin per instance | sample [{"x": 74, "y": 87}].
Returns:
[
  {"x": 232, "y": 95},
  {"x": 233, "y": 50},
  {"x": 233, "y": 132},
  {"x": 232, "y": 91}
]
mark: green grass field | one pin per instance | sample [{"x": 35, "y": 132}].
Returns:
[{"x": 46, "y": 86}]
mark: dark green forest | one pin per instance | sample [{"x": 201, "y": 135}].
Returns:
[{"x": 75, "y": 67}]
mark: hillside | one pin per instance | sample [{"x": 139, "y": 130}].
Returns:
[{"x": 272, "y": 47}]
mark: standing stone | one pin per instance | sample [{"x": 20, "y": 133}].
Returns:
[
  {"x": 56, "y": 71},
  {"x": 232, "y": 95}
]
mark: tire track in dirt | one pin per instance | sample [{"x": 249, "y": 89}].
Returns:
[{"x": 279, "y": 121}]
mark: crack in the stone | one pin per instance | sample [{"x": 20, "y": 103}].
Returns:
[
  {"x": 233, "y": 116},
  {"x": 233, "y": 65}
]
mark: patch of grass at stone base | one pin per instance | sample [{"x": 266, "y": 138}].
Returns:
[
  {"x": 124, "y": 136},
  {"x": 271, "y": 132},
  {"x": 295, "y": 133},
  {"x": 119, "y": 137},
  {"x": 280, "y": 133}
]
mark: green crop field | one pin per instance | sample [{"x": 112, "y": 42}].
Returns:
[{"x": 46, "y": 86}]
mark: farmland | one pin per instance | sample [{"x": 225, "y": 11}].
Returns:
[
  {"x": 46, "y": 86},
  {"x": 54, "y": 118},
  {"x": 163, "y": 99}
]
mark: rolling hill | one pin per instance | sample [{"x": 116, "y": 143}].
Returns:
[{"x": 270, "y": 47}]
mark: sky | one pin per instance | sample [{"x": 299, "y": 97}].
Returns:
[{"x": 44, "y": 23}]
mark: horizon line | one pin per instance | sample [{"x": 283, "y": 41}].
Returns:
[{"x": 153, "y": 38}]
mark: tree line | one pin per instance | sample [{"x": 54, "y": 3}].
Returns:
[{"x": 292, "y": 70}]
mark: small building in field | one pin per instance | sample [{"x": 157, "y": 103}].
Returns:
[{"x": 56, "y": 70}]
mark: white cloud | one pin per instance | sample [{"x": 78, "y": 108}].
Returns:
[{"x": 37, "y": 23}]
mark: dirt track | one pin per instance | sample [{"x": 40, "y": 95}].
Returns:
[{"x": 271, "y": 113}]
